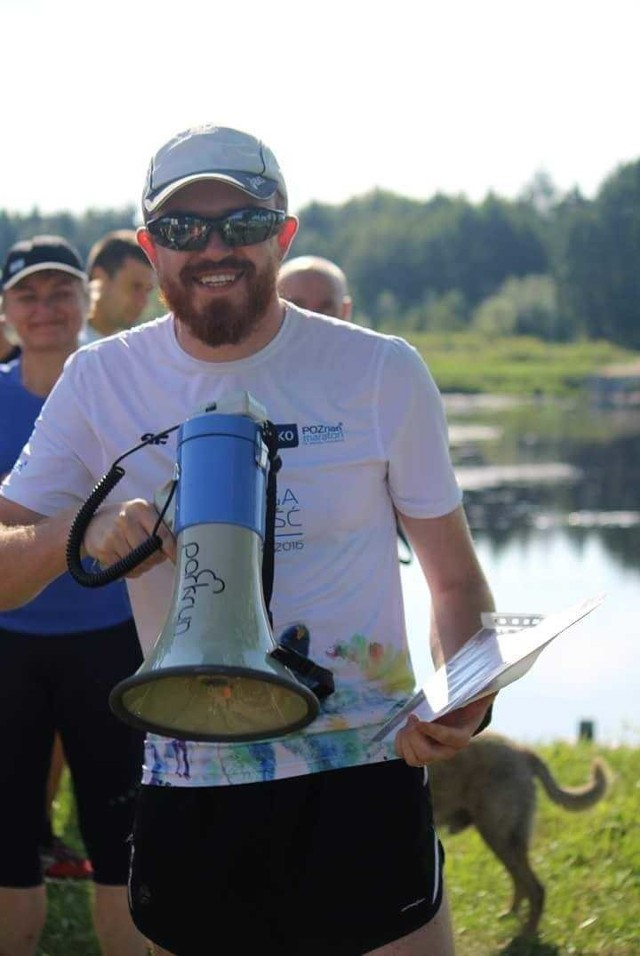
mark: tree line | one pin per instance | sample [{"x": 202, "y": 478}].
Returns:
[{"x": 557, "y": 266}]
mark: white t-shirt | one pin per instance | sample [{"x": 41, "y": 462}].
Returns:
[{"x": 364, "y": 432}]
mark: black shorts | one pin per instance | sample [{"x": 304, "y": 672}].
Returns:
[
  {"x": 62, "y": 683},
  {"x": 339, "y": 862}
]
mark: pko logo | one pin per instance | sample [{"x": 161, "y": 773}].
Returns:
[
  {"x": 321, "y": 434},
  {"x": 287, "y": 436}
]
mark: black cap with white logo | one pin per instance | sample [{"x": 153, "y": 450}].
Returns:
[{"x": 38, "y": 254}]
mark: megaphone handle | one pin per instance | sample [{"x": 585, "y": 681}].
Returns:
[{"x": 97, "y": 579}]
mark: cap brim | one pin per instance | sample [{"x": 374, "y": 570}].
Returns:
[
  {"x": 250, "y": 183},
  {"x": 43, "y": 267}
]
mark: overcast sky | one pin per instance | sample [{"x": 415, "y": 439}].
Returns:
[{"x": 414, "y": 96}]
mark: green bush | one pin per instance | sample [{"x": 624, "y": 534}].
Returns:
[{"x": 520, "y": 365}]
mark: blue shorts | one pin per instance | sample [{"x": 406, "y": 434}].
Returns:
[
  {"x": 61, "y": 683},
  {"x": 339, "y": 862}
]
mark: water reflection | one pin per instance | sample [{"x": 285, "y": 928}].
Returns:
[
  {"x": 552, "y": 494},
  {"x": 539, "y": 466}
]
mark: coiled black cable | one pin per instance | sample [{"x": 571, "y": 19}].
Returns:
[{"x": 97, "y": 579}]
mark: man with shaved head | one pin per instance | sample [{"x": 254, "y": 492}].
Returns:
[{"x": 316, "y": 284}]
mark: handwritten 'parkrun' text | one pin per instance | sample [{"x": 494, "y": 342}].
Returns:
[{"x": 194, "y": 578}]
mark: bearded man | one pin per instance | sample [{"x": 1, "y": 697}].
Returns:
[{"x": 310, "y": 843}]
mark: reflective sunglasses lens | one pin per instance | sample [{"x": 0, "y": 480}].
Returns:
[
  {"x": 250, "y": 226},
  {"x": 182, "y": 233}
]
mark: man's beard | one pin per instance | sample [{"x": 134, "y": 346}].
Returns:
[{"x": 221, "y": 322}]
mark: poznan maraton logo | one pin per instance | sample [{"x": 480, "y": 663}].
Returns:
[{"x": 321, "y": 434}]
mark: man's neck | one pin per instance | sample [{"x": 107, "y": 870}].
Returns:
[{"x": 99, "y": 322}]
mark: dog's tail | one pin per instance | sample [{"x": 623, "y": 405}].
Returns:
[{"x": 572, "y": 798}]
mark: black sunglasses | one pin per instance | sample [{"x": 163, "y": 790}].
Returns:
[{"x": 185, "y": 232}]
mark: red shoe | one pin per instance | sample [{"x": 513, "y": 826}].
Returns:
[{"x": 61, "y": 863}]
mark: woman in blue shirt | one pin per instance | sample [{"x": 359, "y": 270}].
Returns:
[{"x": 61, "y": 654}]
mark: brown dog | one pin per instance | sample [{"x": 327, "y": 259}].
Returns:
[{"x": 490, "y": 785}]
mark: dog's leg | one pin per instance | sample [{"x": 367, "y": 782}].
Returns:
[
  {"x": 513, "y": 853},
  {"x": 516, "y": 902}
]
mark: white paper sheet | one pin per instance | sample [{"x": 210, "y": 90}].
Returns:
[{"x": 494, "y": 657}]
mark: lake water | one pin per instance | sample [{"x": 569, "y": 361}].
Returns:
[{"x": 553, "y": 499}]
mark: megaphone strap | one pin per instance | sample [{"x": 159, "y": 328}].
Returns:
[
  {"x": 318, "y": 679},
  {"x": 270, "y": 438}
]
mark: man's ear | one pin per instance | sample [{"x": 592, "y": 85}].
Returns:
[
  {"x": 94, "y": 287},
  {"x": 347, "y": 307},
  {"x": 287, "y": 234},
  {"x": 98, "y": 275},
  {"x": 146, "y": 244},
  {"x": 95, "y": 284}
]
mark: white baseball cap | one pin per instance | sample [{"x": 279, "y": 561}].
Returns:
[{"x": 212, "y": 152}]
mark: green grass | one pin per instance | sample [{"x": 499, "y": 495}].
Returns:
[
  {"x": 588, "y": 861},
  {"x": 469, "y": 362},
  {"x": 68, "y": 931}
]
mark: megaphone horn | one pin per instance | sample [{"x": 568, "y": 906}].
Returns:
[{"x": 211, "y": 674}]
